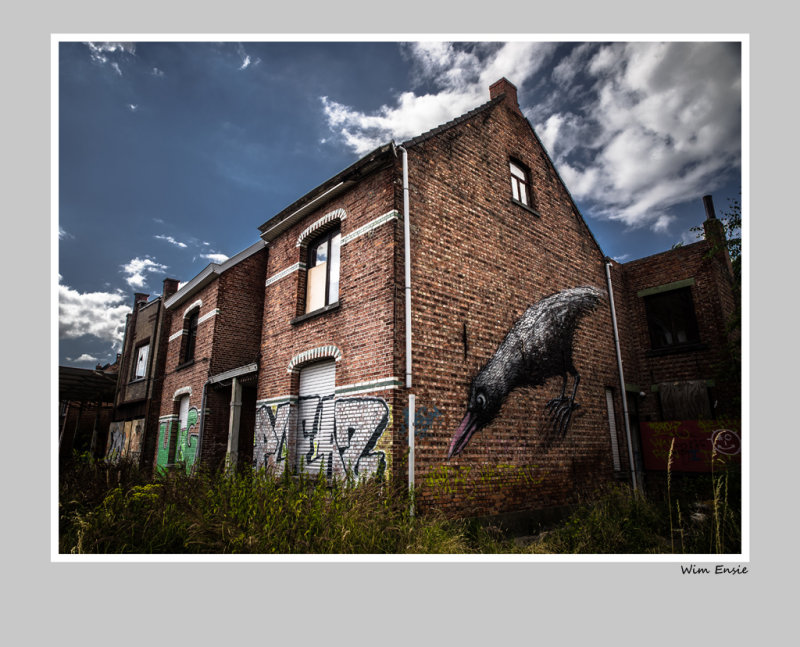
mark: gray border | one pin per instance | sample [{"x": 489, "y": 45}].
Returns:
[{"x": 412, "y": 602}]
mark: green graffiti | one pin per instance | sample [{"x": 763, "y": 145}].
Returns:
[
  {"x": 176, "y": 445},
  {"x": 447, "y": 480}
]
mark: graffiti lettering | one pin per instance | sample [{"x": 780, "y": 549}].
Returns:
[
  {"x": 270, "y": 444},
  {"x": 423, "y": 421},
  {"x": 341, "y": 435}
]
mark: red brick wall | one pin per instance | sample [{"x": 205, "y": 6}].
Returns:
[
  {"x": 480, "y": 260},
  {"x": 362, "y": 326},
  {"x": 713, "y": 303},
  {"x": 226, "y": 340}
]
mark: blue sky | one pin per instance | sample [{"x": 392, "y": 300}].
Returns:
[{"x": 172, "y": 154}]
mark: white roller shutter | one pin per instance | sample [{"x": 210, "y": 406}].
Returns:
[
  {"x": 612, "y": 427},
  {"x": 314, "y": 442}
]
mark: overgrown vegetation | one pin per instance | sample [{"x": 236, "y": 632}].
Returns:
[{"x": 106, "y": 508}]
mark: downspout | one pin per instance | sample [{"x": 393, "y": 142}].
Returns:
[
  {"x": 412, "y": 409},
  {"x": 634, "y": 480}
]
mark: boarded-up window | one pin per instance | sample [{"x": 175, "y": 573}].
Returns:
[{"x": 684, "y": 400}]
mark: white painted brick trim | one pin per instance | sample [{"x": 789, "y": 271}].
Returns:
[
  {"x": 373, "y": 224},
  {"x": 196, "y": 304},
  {"x": 284, "y": 273},
  {"x": 208, "y": 315},
  {"x": 336, "y": 214},
  {"x": 186, "y": 390},
  {"x": 312, "y": 354}
]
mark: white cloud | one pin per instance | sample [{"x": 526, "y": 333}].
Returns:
[
  {"x": 215, "y": 258},
  {"x": 245, "y": 57},
  {"x": 99, "y": 314},
  {"x": 462, "y": 76},
  {"x": 111, "y": 53},
  {"x": 133, "y": 107},
  {"x": 661, "y": 124},
  {"x": 136, "y": 269},
  {"x": 63, "y": 233},
  {"x": 85, "y": 357},
  {"x": 157, "y": 72},
  {"x": 170, "y": 240}
]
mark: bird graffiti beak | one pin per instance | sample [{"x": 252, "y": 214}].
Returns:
[{"x": 464, "y": 432}]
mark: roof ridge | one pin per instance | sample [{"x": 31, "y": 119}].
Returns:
[{"x": 453, "y": 122}]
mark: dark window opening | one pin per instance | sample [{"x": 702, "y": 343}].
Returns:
[
  {"x": 191, "y": 336},
  {"x": 322, "y": 281},
  {"x": 671, "y": 318}
]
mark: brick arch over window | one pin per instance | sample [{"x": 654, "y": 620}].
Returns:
[
  {"x": 311, "y": 355},
  {"x": 329, "y": 219}
]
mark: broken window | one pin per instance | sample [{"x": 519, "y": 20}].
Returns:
[
  {"x": 671, "y": 318},
  {"x": 140, "y": 368}
]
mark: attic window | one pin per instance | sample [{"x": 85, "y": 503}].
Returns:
[{"x": 521, "y": 189}]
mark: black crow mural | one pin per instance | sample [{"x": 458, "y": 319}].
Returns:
[{"x": 538, "y": 347}]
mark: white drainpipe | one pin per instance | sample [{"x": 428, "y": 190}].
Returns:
[
  {"x": 621, "y": 379},
  {"x": 412, "y": 409}
]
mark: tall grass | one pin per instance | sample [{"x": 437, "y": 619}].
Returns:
[{"x": 119, "y": 509}]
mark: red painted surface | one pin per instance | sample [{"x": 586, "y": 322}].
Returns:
[{"x": 696, "y": 442}]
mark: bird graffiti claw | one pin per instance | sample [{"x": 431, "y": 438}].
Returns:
[{"x": 561, "y": 413}]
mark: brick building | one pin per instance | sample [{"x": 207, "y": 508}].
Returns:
[
  {"x": 213, "y": 326},
  {"x": 413, "y": 288},
  {"x": 137, "y": 398}
]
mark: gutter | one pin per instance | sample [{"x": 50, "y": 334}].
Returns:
[{"x": 623, "y": 393}]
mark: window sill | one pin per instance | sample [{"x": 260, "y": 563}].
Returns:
[
  {"x": 184, "y": 365},
  {"x": 136, "y": 380},
  {"x": 315, "y": 313},
  {"x": 676, "y": 349},
  {"x": 526, "y": 207}
]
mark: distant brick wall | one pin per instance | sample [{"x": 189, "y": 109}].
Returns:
[{"x": 712, "y": 297}]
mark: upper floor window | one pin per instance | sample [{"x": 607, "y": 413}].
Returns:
[
  {"x": 322, "y": 285},
  {"x": 190, "y": 326},
  {"x": 140, "y": 367},
  {"x": 521, "y": 183},
  {"x": 671, "y": 318}
]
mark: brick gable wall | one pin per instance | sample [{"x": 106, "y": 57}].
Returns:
[{"x": 479, "y": 260}]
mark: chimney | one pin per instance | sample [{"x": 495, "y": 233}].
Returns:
[
  {"x": 139, "y": 299},
  {"x": 713, "y": 228},
  {"x": 508, "y": 90},
  {"x": 170, "y": 288}
]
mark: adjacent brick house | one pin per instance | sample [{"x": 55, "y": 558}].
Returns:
[
  {"x": 293, "y": 354},
  {"x": 213, "y": 326},
  {"x": 137, "y": 399}
]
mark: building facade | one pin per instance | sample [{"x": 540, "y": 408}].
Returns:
[{"x": 450, "y": 285}]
